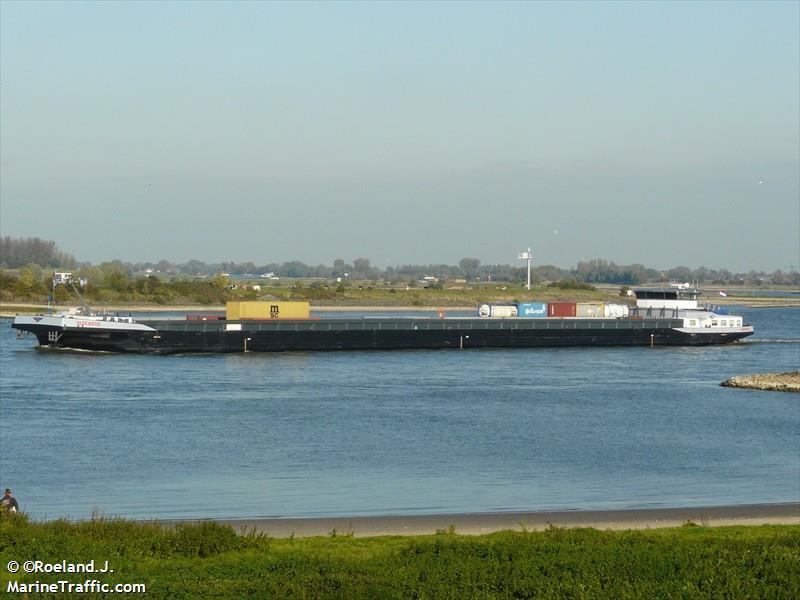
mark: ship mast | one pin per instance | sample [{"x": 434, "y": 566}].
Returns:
[{"x": 527, "y": 256}]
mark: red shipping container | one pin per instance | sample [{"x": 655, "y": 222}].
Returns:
[{"x": 561, "y": 309}]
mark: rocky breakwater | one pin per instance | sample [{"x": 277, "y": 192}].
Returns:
[{"x": 776, "y": 382}]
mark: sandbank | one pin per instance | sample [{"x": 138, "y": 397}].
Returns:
[
  {"x": 775, "y": 382},
  {"x": 483, "y": 523}
]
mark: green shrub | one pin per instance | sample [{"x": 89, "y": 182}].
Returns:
[
  {"x": 571, "y": 284},
  {"x": 209, "y": 560}
]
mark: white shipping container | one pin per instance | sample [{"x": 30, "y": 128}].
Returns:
[
  {"x": 615, "y": 311},
  {"x": 504, "y": 310}
]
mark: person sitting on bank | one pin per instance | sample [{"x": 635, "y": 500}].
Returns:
[{"x": 9, "y": 503}]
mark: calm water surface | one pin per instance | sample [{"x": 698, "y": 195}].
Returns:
[{"x": 367, "y": 433}]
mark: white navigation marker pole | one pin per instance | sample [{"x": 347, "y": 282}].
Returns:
[{"x": 527, "y": 256}]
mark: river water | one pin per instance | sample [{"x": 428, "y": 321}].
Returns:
[{"x": 404, "y": 432}]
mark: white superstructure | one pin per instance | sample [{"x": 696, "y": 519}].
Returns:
[{"x": 681, "y": 303}]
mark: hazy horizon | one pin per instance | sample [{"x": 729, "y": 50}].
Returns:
[{"x": 664, "y": 134}]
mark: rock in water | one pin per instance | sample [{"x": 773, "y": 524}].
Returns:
[{"x": 776, "y": 382}]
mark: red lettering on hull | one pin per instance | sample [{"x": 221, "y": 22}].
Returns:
[{"x": 88, "y": 323}]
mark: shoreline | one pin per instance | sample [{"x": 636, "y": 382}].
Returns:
[
  {"x": 145, "y": 308},
  {"x": 484, "y": 523}
]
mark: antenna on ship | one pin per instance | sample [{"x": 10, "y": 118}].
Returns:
[
  {"x": 52, "y": 296},
  {"x": 529, "y": 257}
]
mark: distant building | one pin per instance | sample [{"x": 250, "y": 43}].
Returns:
[{"x": 62, "y": 278}]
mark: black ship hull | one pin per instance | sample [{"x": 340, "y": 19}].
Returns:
[{"x": 178, "y": 337}]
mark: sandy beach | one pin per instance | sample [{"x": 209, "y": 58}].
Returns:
[{"x": 482, "y": 523}]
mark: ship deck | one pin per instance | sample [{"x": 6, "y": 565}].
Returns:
[{"x": 407, "y": 324}]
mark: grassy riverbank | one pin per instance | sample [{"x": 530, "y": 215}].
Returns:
[
  {"x": 363, "y": 295},
  {"x": 210, "y": 560},
  {"x": 353, "y": 297},
  {"x": 375, "y": 299}
]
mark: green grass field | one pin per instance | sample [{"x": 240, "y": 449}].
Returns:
[
  {"x": 354, "y": 296},
  {"x": 209, "y": 560},
  {"x": 461, "y": 297}
]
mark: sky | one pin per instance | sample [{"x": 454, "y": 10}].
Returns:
[{"x": 413, "y": 132}]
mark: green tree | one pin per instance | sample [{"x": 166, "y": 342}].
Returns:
[
  {"x": 361, "y": 265},
  {"x": 16, "y": 252},
  {"x": 31, "y": 276},
  {"x": 63, "y": 294},
  {"x": 470, "y": 267},
  {"x": 220, "y": 281},
  {"x": 115, "y": 276}
]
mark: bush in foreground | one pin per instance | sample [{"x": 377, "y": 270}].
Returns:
[{"x": 208, "y": 560}]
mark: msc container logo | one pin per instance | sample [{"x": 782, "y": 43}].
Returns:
[{"x": 274, "y": 311}]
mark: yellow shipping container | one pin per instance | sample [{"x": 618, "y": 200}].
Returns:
[
  {"x": 589, "y": 309},
  {"x": 235, "y": 311}
]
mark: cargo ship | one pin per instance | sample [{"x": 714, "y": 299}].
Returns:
[{"x": 661, "y": 317}]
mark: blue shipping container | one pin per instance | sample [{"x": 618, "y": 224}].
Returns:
[{"x": 532, "y": 310}]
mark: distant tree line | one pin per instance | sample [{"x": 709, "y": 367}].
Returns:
[
  {"x": 18, "y": 252},
  {"x": 472, "y": 270},
  {"x": 32, "y": 255}
]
